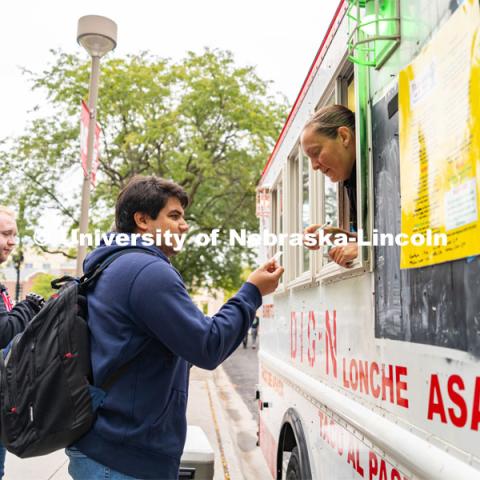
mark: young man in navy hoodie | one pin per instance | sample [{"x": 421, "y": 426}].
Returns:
[{"x": 140, "y": 313}]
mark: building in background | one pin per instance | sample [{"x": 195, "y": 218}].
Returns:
[
  {"x": 35, "y": 264},
  {"x": 209, "y": 303}
]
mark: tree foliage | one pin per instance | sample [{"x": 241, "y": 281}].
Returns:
[
  {"x": 42, "y": 285},
  {"x": 203, "y": 122}
]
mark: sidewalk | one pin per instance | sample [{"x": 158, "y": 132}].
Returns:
[
  {"x": 228, "y": 424},
  {"x": 49, "y": 467},
  {"x": 213, "y": 405}
]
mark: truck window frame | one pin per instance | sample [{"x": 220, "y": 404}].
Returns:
[
  {"x": 340, "y": 90},
  {"x": 297, "y": 255},
  {"x": 278, "y": 224}
]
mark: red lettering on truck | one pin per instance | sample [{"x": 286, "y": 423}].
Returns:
[
  {"x": 401, "y": 386},
  {"x": 293, "y": 335},
  {"x": 340, "y": 440},
  {"x": 457, "y": 413},
  {"x": 363, "y": 375},
  {"x": 353, "y": 457},
  {"x": 455, "y": 383},
  {"x": 301, "y": 337},
  {"x": 387, "y": 382},
  {"x": 381, "y": 470},
  {"x": 435, "y": 400},
  {"x": 476, "y": 406},
  {"x": 311, "y": 338},
  {"x": 331, "y": 343},
  {"x": 374, "y": 386}
]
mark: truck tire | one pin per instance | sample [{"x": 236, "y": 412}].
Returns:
[{"x": 294, "y": 471}]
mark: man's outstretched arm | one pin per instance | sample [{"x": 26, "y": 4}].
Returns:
[{"x": 160, "y": 303}]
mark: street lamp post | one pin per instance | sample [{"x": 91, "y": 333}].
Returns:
[
  {"x": 17, "y": 258},
  {"x": 98, "y": 35}
]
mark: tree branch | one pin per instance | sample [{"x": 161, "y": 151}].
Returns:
[
  {"x": 56, "y": 252},
  {"x": 63, "y": 209}
]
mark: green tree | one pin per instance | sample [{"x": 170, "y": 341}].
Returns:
[
  {"x": 41, "y": 285},
  {"x": 203, "y": 122},
  {"x": 229, "y": 293}
]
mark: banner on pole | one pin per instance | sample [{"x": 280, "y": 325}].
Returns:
[{"x": 84, "y": 123}]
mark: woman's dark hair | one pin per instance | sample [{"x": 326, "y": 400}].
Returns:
[
  {"x": 147, "y": 195},
  {"x": 327, "y": 120}
]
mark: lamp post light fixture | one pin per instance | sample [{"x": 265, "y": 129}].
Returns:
[{"x": 98, "y": 36}]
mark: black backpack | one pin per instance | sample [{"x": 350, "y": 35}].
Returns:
[{"x": 45, "y": 372}]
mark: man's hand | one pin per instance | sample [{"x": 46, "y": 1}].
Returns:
[
  {"x": 344, "y": 255},
  {"x": 266, "y": 277}
]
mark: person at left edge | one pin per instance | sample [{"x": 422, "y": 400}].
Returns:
[{"x": 13, "y": 318}]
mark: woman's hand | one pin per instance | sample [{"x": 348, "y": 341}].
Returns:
[
  {"x": 336, "y": 232},
  {"x": 344, "y": 255},
  {"x": 311, "y": 235}
]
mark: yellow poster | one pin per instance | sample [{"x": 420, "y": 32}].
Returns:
[{"x": 439, "y": 102}]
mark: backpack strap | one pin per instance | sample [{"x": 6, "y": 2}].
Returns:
[
  {"x": 90, "y": 278},
  {"x": 117, "y": 374},
  {"x": 58, "y": 283},
  {"x": 5, "y": 298}
]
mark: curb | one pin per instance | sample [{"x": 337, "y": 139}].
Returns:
[
  {"x": 241, "y": 430},
  {"x": 229, "y": 460}
]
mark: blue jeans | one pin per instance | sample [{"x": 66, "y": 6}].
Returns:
[
  {"x": 82, "y": 467},
  {"x": 3, "y": 452}
]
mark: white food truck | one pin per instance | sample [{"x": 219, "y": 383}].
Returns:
[{"x": 373, "y": 371}]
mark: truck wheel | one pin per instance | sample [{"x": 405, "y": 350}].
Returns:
[{"x": 293, "y": 469}]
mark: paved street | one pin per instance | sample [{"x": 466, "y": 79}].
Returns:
[{"x": 242, "y": 369}]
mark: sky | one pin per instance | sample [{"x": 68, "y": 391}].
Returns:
[{"x": 279, "y": 37}]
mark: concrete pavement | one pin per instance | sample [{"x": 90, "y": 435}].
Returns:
[
  {"x": 242, "y": 430},
  {"x": 48, "y": 467},
  {"x": 214, "y": 405},
  {"x": 242, "y": 370}
]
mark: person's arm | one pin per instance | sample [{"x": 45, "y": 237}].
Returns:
[
  {"x": 344, "y": 255},
  {"x": 160, "y": 304},
  {"x": 14, "y": 321}
]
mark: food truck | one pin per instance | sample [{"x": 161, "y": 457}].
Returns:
[{"x": 373, "y": 371}]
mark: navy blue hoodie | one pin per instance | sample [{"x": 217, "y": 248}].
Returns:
[{"x": 139, "y": 309}]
